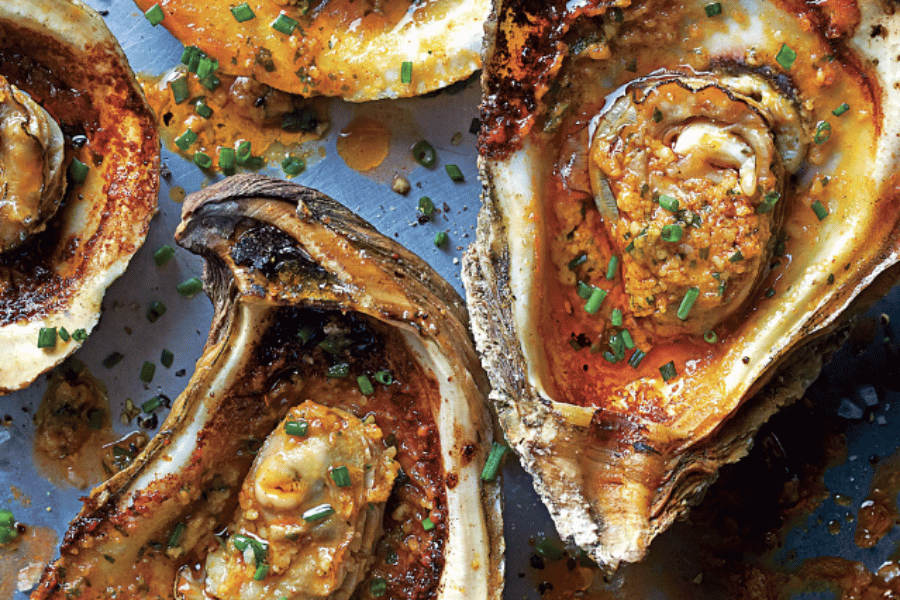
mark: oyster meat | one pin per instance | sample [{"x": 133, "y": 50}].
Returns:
[
  {"x": 331, "y": 440},
  {"x": 357, "y": 50},
  {"x": 684, "y": 203},
  {"x": 79, "y": 170}
]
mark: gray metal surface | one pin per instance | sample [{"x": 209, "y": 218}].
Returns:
[{"x": 124, "y": 327}]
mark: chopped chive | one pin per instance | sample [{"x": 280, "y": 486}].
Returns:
[
  {"x": 770, "y": 292},
  {"x": 584, "y": 290},
  {"x": 64, "y": 334},
  {"x": 612, "y": 267},
  {"x": 113, "y": 359},
  {"x": 629, "y": 247},
  {"x": 687, "y": 302},
  {"x": 202, "y": 109},
  {"x": 384, "y": 377},
  {"x": 244, "y": 152},
  {"x": 671, "y": 233},
  {"x": 427, "y": 524},
  {"x": 441, "y": 238},
  {"x": 713, "y": 10},
  {"x": 242, "y": 12},
  {"x": 626, "y": 337},
  {"x": 610, "y": 357},
  {"x": 455, "y": 173},
  {"x": 736, "y": 257},
  {"x": 636, "y": 358},
  {"x": 768, "y": 203},
  {"x": 577, "y": 261},
  {"x": 306, "y": 333},
  {"x": 78, "y": 171},
  {"x": 710, "y": 337},
  {"x": 823, "y": 132},
  {"x": 594, "y": 301},
  {"x": 406, "y": 72},
  {"x": 211, "y": 82},
  {"x": 163, "y": 255},
  {"x": 284, "y": 24},
  {"x": 148, "y": 370},
  {"x": 616, "y": 317},
  {"x": 365, "y": 386},
  {"x": 668, "y": 371},
  {"x": 378, "y": 587},
  {"x": 175, "y": 538},
  {"x": 293, "y": 166},
  {"x": 262, "y": 569},
  {"x": 492, "y": 465},
  {"x": 550, "y": 549},
  {"x": 190, "y": 287},
  {"x": 155, "y": 310},
  {"x": 46, "y": 337},
  {"x": 166, "y": 358},
  {"x": 341, "y": 476},
  {"x": 669, "y": 203},
  {"x": 841, "y": 109},
  {"x": 426, "y": 206},
  {"x": 296, "y": 428},
  {"x": 185, "y": 140},
  {"x": 819, "y": 209},
  {"x": 155, "y": 15},
  {"x": 323, "y": 511},
  {"x": 79, "y": 335},
  {"x": 338, "y": 371},
  {"x": 226, "y": 160},
  {"x": 786, "y": 57},
  {"x": 152, "y": 404},
  {"x": 617, "y": 346},
  {"x": 424, "y": 153},
  {"x": 180, "y": 91},
  {"x": 202, "y": 160},
  {"x": 188, "y": 54}
]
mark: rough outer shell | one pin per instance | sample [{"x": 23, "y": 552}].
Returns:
[
  {"x": 340, "y": 48},
  {"x": 344, "y": 266},
  {"x": 613, "y": 478},
  {"x": 63, "y": 55}
]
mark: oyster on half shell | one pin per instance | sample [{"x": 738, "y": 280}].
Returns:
[
  {"x": 684, "y": 203},
  {"x": 331, "y": 440},
  {"x": 79, "y": 177}
]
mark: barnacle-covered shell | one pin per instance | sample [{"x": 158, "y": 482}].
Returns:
[
  {"x": 684, "y": 203},
  {"x": 357, "y": 50},
  {"x": 70, "y": 66},
  {"x": 310, "y": 304}
]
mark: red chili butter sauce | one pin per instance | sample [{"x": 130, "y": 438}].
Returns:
[
  {"x": 879, "y": 512},
  {"x": 23, "y": 561},
  {"x": 74, "y": 443}
]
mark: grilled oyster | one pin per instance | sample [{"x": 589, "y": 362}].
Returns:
[
  {"x": 62, "y": 71},
  {"x": 357, "y": 50},
  {"x": 351, "y": 358},
  {"x": 684, "y": 202}
]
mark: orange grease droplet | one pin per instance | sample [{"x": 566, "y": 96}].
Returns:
[{"x": 364, "y": 143}]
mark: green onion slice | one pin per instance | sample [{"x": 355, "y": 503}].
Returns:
[
  {"x": 190, "y": 287},
  {"x": 550, "y": 549},
  {"x": 424, "y": 153},
  {"x": 323, "y": 511},
  {"x": 64, "y": 334},
  {"x": 669, "y": 203},
  {"x": 152, "y": 404},
  {"x": 768, "y": 203},
  {"x": 594, "y": 301},
  {"x": 823, "y": 132},
  {"x": 426, "y": 206},
  {"x": 163, "y": 255},
  {"x": 185, "y": 140},
  {"x": 78, "y": 171},
  {"x": 841, "y": 109},
  {"x": 786, "y": 57},
  {"x": 202, "y": 160},
  {"x": 455, "y": 173},
  {"x": 441, "y": 238},
  {"x": 339, "y": 370},
  {"x": 494, "y": 459},
  {"x": 262, "y": 570},
  {"x": 365, "y": 386},
  {"x": 577, "y": 261},
  {"x": 584, "y": 290},
  {"x": 293, "y": 166},
  {"x": 155, "y": 15},
  {"x": 713, "y": 10},
  {"x": 226, "y": 160},
  {"x": 819, "y": 209},
  {"x": 177, "y": 533},
  {"x": 341, "y": 476},
  {"x": 636, "y": 358},
  {"x": 384, "y": 377},
  {"x": 616, "y": 317},
  {"x": 687, "y": 302},
  {"x": 406, "y": 72},
  {"x": 148, "y": 370},
  {"x": 203, "y": 109},
  {"x": 378, "y": 587},
  {"x": 671, "y": 233},
  {"x": 242, "y": 12},
  {"x": 166, "y": 358},
  {"x": 79, "y": 335},
  {"x": 296, "y": 428},
  {"x": 668, "y": 371},
  {"x": 612, "y": 267},
  {"x": 710, "y": 337},
  {"x": 427, "y": 524},
  {"x": 180, "y": 91},
  {"x": 284, "y": 24},
  {"x": 46, "y": 337},
  {"x": 155, "y": 310},
  {"x": 626, "y": 337}
]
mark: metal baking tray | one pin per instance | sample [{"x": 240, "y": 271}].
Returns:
[{"x": 676, "y": 563}]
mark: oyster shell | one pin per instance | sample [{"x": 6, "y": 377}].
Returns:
[
  {"x": 318, "y": 320},
  {"x": 355, "y": 50},
  {"x": 678, "y": 220},
  {"x": 77, "y": 82}
]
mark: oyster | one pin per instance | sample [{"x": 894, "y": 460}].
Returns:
[
  {"x": 62, "y": 72},
  {"x": 352, "y": 360},
  {"x": 355, "y": 50},
  {"x": 684, "y": 203}
]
